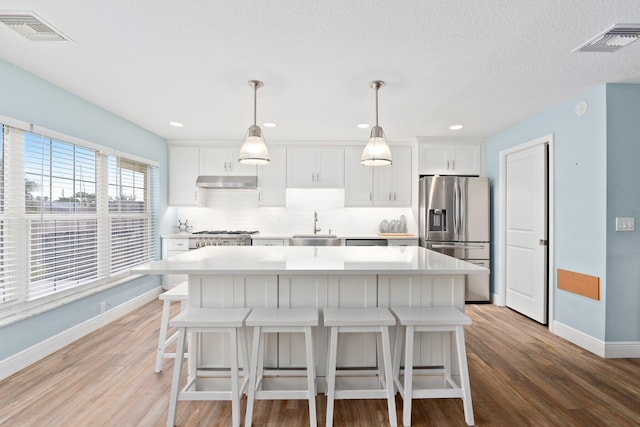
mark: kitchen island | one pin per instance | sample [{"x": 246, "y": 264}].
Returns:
[{"x": 318, "y": 277}]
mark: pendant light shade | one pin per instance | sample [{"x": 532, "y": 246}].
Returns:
[
  {"x": 254, "y": 150},
  {"x": 376, "y": 152}
]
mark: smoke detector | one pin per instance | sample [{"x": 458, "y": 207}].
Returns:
[
  {"x": 31, "y": 26},
  {"x": 614, "y": 38}
]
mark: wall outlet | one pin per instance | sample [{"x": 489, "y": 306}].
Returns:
[
  {"x": 103, "y": 307},
  {"x": 625, "y": 224}
]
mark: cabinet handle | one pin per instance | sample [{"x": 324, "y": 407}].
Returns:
[
  {"x": 370, "y": 196},
  {"x": 395, "y": 196},
  {"x": 195, "y": 195},
  {"x": 230, "y": 166},
  {"x": 448, "y": 167},
  {"x": 453, "y": 165},
  {"x": 313, "y": 176},
  {"x": 225, "y": 166},
  {"x": 318, "y": 176},
  {"x": 390, "y": 196},
  {"x": 259, "y": 196}
]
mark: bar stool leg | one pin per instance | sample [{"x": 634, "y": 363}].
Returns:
[
  {"x": 388, "y": 376},
  {"x": 397, "y": 353},
  {"x": 331, "y": 374},
  {"x": 464, "y": 375},
  {"x": 177, "y": 373},
  {"x": 311, "y": 374},
  {"x": 162, "y": 339},
  {"x": 253, "y": 372},
  {"x": 235, "y": 392},
  {"x": 408, "y": 375}
]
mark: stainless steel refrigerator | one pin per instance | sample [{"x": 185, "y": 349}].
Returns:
[{"x": 454, "y": 219}]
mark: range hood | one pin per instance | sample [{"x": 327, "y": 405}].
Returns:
[{"x": 227, "y": 181}]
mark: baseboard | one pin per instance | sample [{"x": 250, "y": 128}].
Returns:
[
  {"x": 622, "y": 349},
  {"x": 19, "y": 361},
  {"x": 579, "y": 338},
  {"x": 495, "y": 298}
]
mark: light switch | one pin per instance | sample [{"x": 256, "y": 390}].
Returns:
[{"x": 625, "y": 224}]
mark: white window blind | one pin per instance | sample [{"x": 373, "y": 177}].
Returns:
[
  {"x": 131, "y": 188},
  {"x": 70, "y": 216}
]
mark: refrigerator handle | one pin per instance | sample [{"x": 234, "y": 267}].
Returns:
[{"x": 456, "y": 210}]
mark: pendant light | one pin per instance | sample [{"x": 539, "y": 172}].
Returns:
[
  {"x": 377, "y": 152},
  {"x": 254, "y": 150}
]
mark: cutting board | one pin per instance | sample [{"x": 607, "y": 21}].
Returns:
[{"x": 396, "y": 234}]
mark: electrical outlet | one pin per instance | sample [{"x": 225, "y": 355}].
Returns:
[
  {"x": 103, "y": 307},
  {"x": 625, "y": 224}
]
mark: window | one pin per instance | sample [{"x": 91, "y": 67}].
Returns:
[{"x": 71, "y": 217}]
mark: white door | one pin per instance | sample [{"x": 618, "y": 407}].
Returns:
[{"x": 526, "y": 232}]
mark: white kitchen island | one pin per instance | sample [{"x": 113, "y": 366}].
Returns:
[{"x": 314, "y": 278}]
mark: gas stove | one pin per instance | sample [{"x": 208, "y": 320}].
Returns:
[{"x": 203, "y": 238}]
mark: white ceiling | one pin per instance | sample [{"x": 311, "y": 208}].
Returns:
[{"x": 487, "y": 64}]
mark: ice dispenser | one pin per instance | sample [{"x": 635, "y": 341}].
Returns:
[{"x": 437, "y": 220}]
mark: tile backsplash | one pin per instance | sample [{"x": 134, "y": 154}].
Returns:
[{"x": 239, "y": 210}]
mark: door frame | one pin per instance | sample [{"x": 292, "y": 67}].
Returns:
[{"x": 502, "y": 228}]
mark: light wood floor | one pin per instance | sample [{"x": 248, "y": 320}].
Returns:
[{"x": 521, "y": 375}]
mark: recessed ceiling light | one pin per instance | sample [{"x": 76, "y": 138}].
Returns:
[
  {"x": 176, "y": 124},
  {"x": 363, "y": 125},
  {"x": 456, "y": 127},
  {"x": 269, "y": 125}
]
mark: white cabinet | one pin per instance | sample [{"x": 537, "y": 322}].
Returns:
[
  {"x": 392, "y": 185},
  {"x": 378, "y": 185},
  {"x": 183, "y": 172},
  {"x": 450, "y": 159},
  {"x": 272, "y": 179},
  {"x": 315, "y": 167},
  {"x": 316, "y": 292},
  {"x": 223, "y": 161},
  {"x": 172, "y": 247}
]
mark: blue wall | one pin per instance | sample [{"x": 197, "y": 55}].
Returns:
[
  {"x": 623, "y": 200},
  {"x": 580, "y": 199},
  {"x": 26, "y": 97}
]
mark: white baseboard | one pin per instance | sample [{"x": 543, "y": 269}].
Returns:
[
  {"x": 19, "y": 361},
  {"x": 495, "y": 299},
  {"x": 579, "y": 338},
  {"x": 622, "y": 349}
]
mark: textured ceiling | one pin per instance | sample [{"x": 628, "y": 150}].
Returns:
[{"x": 487, "y": 64}]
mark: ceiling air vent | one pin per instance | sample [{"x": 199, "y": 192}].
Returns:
[
  {"x": 31, "y": 26},
  {"x": 614, "y": 38}
]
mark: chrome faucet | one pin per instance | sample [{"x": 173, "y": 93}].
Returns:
[{"x": 315, "y": 223}]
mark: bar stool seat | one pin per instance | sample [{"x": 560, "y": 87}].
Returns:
[
  {"x": 432, "y": 319},
  {"x": 280, "y": 320},
  {"x": 358, "y": 320},
  {"x": 179, "y": 293},
  {"x": 203, "y": 320}
]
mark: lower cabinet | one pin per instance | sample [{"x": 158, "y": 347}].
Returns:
[{"x": 172, "y": 247}]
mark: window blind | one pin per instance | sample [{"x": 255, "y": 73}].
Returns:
[{"x": 70, "y": 216}]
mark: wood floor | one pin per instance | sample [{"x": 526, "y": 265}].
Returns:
[{"x": 521, "y": 375}]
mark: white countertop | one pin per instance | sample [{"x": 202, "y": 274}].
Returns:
[
  {"x": 260, "y": 236},
  {"x": 310, "y": 260}
]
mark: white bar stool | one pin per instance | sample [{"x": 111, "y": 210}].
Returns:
[
  {"x": 346, "y": 320},
  {"x": 179, "y": 293},
  {"x": 272, "y": 320},
  {"x": 202, "y": 320},
  {"x": 433, "y": 319}
]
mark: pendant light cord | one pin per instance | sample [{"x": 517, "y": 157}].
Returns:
[
  {"x": 377, "y": 89},
  {"x": 255, "y": 102}
]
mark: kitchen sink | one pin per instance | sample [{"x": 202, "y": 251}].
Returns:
[{"x": 315, "y": 240}]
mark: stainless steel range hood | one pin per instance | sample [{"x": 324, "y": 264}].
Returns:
[{"x": 226, "y": 181}]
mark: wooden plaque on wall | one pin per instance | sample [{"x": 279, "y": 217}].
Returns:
[{"x": 578, "y": 283}]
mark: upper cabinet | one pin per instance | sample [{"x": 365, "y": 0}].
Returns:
[
  {"x": 223, "y": 161},
  {"x": 378, "y": 185},
  {"x": 450, "y": 159},
  {"x": 272, "y": 179},
  {"x": 315, "y": 167},
  {"x": 183, "y": 172}
]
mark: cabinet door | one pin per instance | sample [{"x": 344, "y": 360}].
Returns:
[
  {"x": 392, "y": 184},
  {"x": 214, "y": 161},
  {"x": 183, "y": 172},
  {"x": 402, "y": 182},
  {"x": 358, "y": 186},
  {"x": 272, "y": 179},
  {"x": 223, "y": 161},
  {"x": 330, "y": 167},
  {"x": 301, "y": 167},
  {"x": 466, "y": 159},
  {"x": 240, "y": 169},
  {"x": 434, "y": 159}
]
